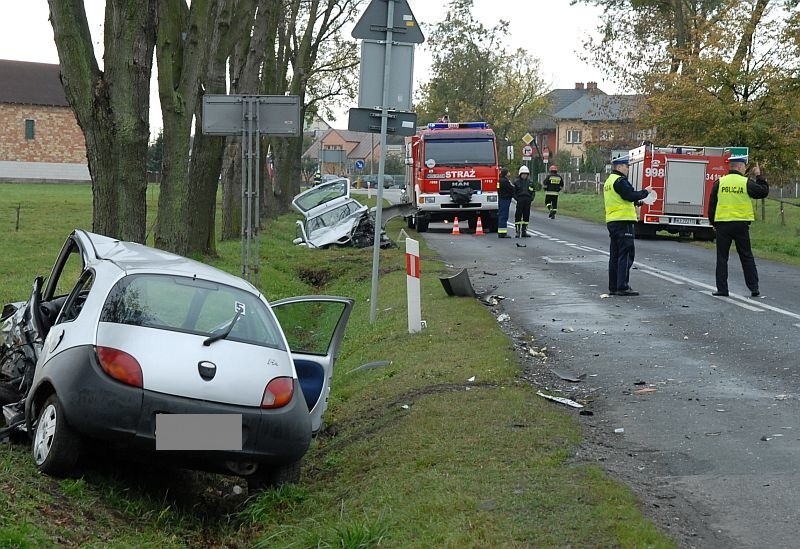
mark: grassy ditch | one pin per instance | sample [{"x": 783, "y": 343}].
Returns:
[
  {"x": 773, "y": 235},
  {"x": 413, "y": 453}
]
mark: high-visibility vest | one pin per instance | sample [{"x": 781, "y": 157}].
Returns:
[
  {"x": 617, "y": 209},
  {"x": 733, "y": 203}
]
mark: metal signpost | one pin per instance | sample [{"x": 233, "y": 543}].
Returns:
[
  {"x": 388, "y": 27},
  {"x": 251, "y": 116}
]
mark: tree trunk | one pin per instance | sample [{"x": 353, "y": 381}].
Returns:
[
  {"x": 182, "y": 53},
  {"x": 206, "y": 158},
  {"x": 111, "y": 106}
]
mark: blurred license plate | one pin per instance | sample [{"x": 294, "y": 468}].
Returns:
[
  {"x": 199, "y": 432},
  {"x": 683, "y": 221}
]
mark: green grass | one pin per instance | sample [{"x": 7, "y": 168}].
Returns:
[
  {"x": 772, "y": 237},
  {"x": 412, "y": 454}
]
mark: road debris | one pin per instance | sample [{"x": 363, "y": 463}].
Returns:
[
  {"x": 505, "y": 317},
  {"x": 568, "y": 376},
  {"x": 560, "y": 400},
  {"x": 645, "y": 390},
  {"x": 619, "y": 430}
]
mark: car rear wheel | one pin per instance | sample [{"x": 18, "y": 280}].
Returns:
[
  {"x": 56, "y": 446},
  {"x": 274, "y": 477}
]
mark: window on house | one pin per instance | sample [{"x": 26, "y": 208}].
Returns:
[
  {"x": 29, "y": 127},
  {"x": 606, "y": 135},
  {"x": 574, "y": 136},
  {"x": 575, "y": 161}
]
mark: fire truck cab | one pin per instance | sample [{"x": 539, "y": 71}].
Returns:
[
  {"x": 682, "y": 177},
  {"x": 452, "y": 170}
]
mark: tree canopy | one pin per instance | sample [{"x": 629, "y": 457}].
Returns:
[
  {"x": 714, "y": 72},
  {"x": 475, "y": 77}
]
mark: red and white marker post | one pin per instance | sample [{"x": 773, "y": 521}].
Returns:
[{"x": 412, "y": 286}]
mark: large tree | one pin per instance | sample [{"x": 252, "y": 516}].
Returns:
[
  {"x": 182, "y": 52},
  {"x": 718, "y": 72},
  {"x": 475, "y": 77},
  {"x": 112, "y": 105},
  {"x": 300, "y": 50}
]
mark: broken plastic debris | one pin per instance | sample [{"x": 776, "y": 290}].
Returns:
[
  {"x": 568, "y": 376},
  {"x": 405, "y": 406},
  {"x": 619, "y": 430},
  {"x": 488, "y": 273},
  {"x": 781, "y": 397},
  {"x": 568, "y": 329},
  {"x": 604, "y": 296},
  {"x": 561, "y": 400},
  {"x": 471, "y": 379},
  {"x": 645, "y": 390},
  {"x": 503, "y": 317}
]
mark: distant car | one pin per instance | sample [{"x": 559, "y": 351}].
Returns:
[
  {"x": 164, "y": 358},
  {"x": 333, "y": 218}
]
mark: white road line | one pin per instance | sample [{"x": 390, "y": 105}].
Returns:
[
  {"x": 747, "y": 303},
  {"x": 742, "y": 305},
  {"x": 659, "y": 275}
]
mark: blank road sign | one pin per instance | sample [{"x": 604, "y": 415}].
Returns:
[
  {"x": 277, "y": 114},
  {"x": 401, "y": 76}
]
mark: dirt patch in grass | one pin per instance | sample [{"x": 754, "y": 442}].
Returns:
[{"x": 316, "y": 278}]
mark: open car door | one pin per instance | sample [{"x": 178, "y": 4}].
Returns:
[{"x": 314, "y": 327}]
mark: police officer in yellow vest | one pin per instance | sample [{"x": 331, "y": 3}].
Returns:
[
  {"x": 731, "y": 211},
  {"x": 620, "y": 198}
]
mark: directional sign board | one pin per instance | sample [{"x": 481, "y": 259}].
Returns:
[
  {"x": 401, "y": 77},
  {"x": 359, "y": 164},
  {"x": 372, "y": 25},
  {"x": 369, "y": 120}
]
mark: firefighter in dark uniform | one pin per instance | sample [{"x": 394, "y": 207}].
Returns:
[
  {"x": 730, "y": 212},
  {"x": 524, "y": 192},
  {"x": 505, "y": 193},
  {"x": 620, "y": 198},
  {"x": 317, "y": 178},
  {"x": 553, "y": 184}
]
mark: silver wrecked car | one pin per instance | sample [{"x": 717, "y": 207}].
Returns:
[
  {"x": 331, "y": 217},
  {"x": 168, "y": 359}
]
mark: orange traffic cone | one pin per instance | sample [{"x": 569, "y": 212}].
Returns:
[
  {"x": 479, "y": 228},
  {"x": 456, "y": 229}
]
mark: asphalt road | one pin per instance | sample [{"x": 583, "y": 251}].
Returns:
[{"x": 718, "y": 425}]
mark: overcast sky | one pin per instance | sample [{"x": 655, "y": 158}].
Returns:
[{"x": 550, "y": 30}]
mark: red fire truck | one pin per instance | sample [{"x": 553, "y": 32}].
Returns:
[
  {"x": 452, "y": 170},
  {"x": 682, "y": 176}
]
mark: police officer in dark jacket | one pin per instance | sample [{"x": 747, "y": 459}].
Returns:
[
  {"x": 524, "y": 191},
  {"x": 553, "y": 185},
  {"x": 505, "y": 193},
  {"x": 620, "y": 199},
  {"x": 731, "y": 211}
]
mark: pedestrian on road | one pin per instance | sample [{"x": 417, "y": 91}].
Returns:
[
  {"x": 730, "y": 212},
  {"x": 620, "y": 198},
  {"x": 317, "y": 178},
  {"x": 553, "y": 185},
  {"x": 505, "y": 193},
  {"x": 524, "y": 192}
]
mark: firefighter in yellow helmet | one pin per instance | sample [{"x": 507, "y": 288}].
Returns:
[
  {"x": 620, "y": 198},
  {"x": 731, "y": 211}
]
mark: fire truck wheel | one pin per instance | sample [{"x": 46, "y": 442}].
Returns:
[{"x": 422, "y": 224}]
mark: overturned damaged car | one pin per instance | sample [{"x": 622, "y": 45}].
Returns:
[
  {"x": 333, "y": 218},
  {"x": 157, "y": 357}
]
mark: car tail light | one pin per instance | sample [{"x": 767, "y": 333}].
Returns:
[
  {"x": 278, "y": 393},
  {"x": 120, "y": 365}
]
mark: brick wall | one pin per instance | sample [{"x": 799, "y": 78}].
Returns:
[{"x": 57, "y": 136}]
